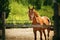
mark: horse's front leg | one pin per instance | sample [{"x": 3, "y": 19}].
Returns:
[
  {"x": 35, "y": 35},
  {"x": 40, "y": 35},
  {"x": 48, "y": 33},
  {"x": 44, "y": 34}
]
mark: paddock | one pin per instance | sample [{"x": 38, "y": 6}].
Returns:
[{"x": 23, "y": 34}]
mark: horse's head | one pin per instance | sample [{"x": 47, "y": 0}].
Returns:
[{"x": 31, "y": 13}]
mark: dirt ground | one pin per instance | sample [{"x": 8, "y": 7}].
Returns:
[{"x": 23, "y": 34}]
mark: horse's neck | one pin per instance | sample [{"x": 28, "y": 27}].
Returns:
[
  {"x": 36, "y": 13},
  {"x": 34, "y": 20},
  {"x": 36, "y": 17}
]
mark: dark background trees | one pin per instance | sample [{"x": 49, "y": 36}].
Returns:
[{"x": 4, "y": 7}]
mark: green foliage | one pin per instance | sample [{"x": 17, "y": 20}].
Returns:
[
  {"x": 58, "y": 1},
  {"x": 19, "y": 10},
  {"x": 35, "y": 3},
  {"x": 38, "y": 4},
  {"x": 46, "y": 11},
  {"x": 48, "y": 2},
  {"x": 4, "y": 7}
]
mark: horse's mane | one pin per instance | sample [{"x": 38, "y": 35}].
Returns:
[{"x": 36, "y": 13}]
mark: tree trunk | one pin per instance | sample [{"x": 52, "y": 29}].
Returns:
[{"x": 56, "y": 22}]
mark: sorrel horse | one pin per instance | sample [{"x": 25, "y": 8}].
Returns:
[{"x": 36, "y": 19}]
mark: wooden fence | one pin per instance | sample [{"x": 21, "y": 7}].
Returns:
[{"x": 5, "y": 25}]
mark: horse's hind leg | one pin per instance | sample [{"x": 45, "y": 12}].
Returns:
[
  {"x": 35, "y": 35},
  {"x": 40, "y": 35},
  {"x": 44, "y": 34}
]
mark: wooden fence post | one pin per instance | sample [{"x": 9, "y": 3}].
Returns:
[{"x": 3, "y": 25}]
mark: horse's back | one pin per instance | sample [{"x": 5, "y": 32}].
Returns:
[{"x": 46, "y": 20}]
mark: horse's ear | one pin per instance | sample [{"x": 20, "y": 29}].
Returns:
[{"x": 33, "y": 7}]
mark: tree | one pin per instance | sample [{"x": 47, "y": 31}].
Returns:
[
  {"x": 38, "y": 4},
  {"x": 4, "y": 7},
  {"x": 58, "y": 1},
  {"x": 56, "y": 20},
  {"x": 48, "y": 2}
]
